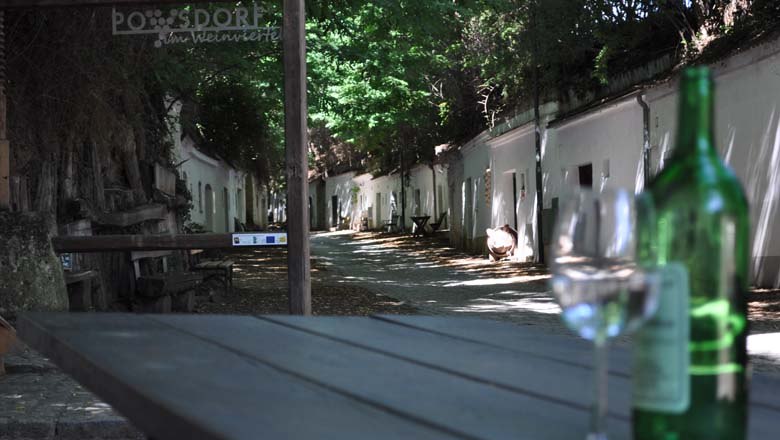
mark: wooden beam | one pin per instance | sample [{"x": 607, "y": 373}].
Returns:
[
  {"x": 5, "y": 148},
  {"x": 295, "y": 133},
  {"x": 37, "y": 3},
  {"x": 134, "y": 216},
  {"x": 121, "y": 243},
  {"x": 5, "y": 173}
]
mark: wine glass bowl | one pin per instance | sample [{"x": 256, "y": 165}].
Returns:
[
  {"x": 595, "y": 278},
  {"x": 604, "y": 302}
]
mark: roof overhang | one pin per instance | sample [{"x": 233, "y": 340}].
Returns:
[{"x": 594, "y": 108}]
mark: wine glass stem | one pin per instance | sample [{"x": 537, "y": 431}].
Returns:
[{"x": 598, "y": 419}]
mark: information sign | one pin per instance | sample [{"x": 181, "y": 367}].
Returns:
[{"x": 260, "y": 239}]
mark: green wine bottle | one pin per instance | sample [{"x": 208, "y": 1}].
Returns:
[{"x": 690, "y": 362}]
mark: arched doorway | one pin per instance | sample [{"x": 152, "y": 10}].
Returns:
[{"x": 209, "y": 208}]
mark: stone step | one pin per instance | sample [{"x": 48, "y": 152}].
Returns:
[{"x": 39, "y": 401}]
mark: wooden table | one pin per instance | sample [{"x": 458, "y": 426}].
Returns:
[
  {"x": 415, "y": 377},
  {"x": 419, "y": 222}
]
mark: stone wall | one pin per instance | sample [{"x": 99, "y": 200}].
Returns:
[{"x": 31, "y": 276}]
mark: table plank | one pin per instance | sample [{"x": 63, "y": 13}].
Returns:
[
  {"x": 519, "y": 338},
  {"x": 172, "y": 385},
  {"x": 516, "y": 371},
  {"x": 472, "y": 408},
  {"x": 764, "y": 390}
]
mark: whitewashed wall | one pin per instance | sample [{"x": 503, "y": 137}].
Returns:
[
  {"x": 318, "y": 204},
  {"x": 277, "y": 207},
  {"x": 747, "y": 137},
  {"x": 421, "y": 179},
  {"x": 514, "y": 153},
  {"x": 380, "y": 208},
  {"x": 207, "y": 179},
  {"x": 339, "y": 186},
  {"x": 470, "y": 215},
  {"x": 255, "y": 204},
  {"x": 378, "y": 197},
  {"x": 610, "y": 138},
  {"x": 220, "y": 193}
]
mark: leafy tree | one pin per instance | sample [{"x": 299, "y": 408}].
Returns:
[{"x": 377, "y": 72}]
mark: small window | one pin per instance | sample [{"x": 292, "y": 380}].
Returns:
[
  {"x": 200, "y": 198},
  {"x": 586, "y": 175}
]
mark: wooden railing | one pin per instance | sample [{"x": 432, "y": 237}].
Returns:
[{"x": 112, "y": 243}]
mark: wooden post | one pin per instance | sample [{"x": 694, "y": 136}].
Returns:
[
  {"x": 5, "y": 149},
  {"x": 295, "y": 134}
]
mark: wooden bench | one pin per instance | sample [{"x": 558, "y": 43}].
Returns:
[
  {"x": 391, "y": 225},
  {"x": 436, "y": 225},
  {"x": 84, "y": 284},
  {"x": 85, "y": 291},
  {"x": 165, "y": 291},
  {"x": 7, "y": 338},
  {"x": 217, "y": 269}
]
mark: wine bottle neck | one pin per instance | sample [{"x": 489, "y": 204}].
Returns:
[{"x": 695, "y": 133}]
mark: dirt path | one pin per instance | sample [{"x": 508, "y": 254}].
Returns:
[{"x": 260, "y": 287}]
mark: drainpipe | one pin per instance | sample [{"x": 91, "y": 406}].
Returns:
[
  {"x": 403, "y": 192},
  {"x": 435, "y": 202},
  {"x": 640, "y": 99},
  {"x": 538, "y": 133}
]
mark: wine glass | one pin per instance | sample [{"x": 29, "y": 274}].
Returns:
[{"x": 596, "y": 280}]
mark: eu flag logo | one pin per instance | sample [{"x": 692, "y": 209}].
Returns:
[{"x": 270, "y": 239}]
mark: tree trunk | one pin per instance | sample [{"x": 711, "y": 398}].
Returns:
[
  {"x": 46, "y": 195},
  {"x": 68, "y": 174},
  {"x": 97, "y": 173},
  {"x": 130, "y": 162}
]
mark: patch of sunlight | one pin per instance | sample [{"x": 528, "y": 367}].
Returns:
[
  {"x": 94, "y": 409},
  {"x": 639, "y": 182},
  {"x": 364, "y": 241},
  {"x": 359, "y": 278},
  {"x": 765, "y": 226},
  {"x": 730, "y": 148},
  {"x": 469, "y": 261},
  {"x": 765, "y": 345},
  {"x": 498, "y": 281},
  {"x": 336, "y": 233},
  {"x": 399, "y": 266},
  {"x": 373, "y": 251},
  {"x": 537, "y": 305},
  {"x": 665, "y": 145}
]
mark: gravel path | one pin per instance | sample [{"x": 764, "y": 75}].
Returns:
[{"x": 430, "y": 275}]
